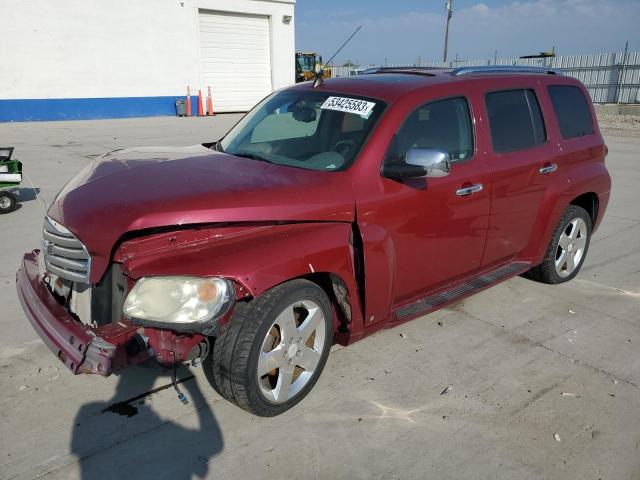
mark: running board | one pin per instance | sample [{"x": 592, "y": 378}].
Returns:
[{"x": 432, "y": 302}]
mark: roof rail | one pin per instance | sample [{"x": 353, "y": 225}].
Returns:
[
  {"x": 429, "y": 71},
  {"x": 504, "y": 69}
]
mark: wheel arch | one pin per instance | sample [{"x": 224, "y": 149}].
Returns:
[
  {"x": 336, "y": 289},
  {"x": 590, "y": 202},
  {"x": 338, "y": 293},
  {"x": 587, "y": 188}
]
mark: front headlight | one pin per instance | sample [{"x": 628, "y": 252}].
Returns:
[{"x": 179, "y": 303}]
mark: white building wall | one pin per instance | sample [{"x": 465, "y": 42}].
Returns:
[{"x": 120, "y": 48}]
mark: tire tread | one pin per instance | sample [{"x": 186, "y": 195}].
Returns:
[
  {"x": 545, "y": 272},
  {"x": 227, "y": 366}
]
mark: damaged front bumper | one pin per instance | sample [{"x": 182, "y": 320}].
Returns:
[{"x": 83, "y": 349}]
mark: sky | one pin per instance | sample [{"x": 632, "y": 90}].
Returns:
[{"x": 403, "y": 31}]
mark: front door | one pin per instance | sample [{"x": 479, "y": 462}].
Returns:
[{"x": 425, "y": 233}]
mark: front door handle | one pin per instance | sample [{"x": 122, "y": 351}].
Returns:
[
  {"x": 475, "y": 188},
  {"x": 548, "y": 168}
]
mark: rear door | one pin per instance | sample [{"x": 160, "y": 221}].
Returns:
[{"x": 523, "y": 165}]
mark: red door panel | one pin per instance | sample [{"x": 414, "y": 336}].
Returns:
[
  {"x": 438, "y": 235},
  {"x": 418, "y": 234},
  {"x": 519, "y": 181},
  {"x": 518, "y": 192}
]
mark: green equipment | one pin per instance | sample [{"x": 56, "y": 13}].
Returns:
[{"x": 10, "y": 178}]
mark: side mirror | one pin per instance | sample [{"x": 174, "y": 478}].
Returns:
[{"x": 419, "y": 163}]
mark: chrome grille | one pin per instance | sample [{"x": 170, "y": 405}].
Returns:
[{"x": 64, "y": 254}]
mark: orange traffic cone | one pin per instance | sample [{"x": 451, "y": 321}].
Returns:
[
  {"x": 209, "y": 103},
  {"x": 200, "y": 107},
  {"x": 188, "y": 104}
]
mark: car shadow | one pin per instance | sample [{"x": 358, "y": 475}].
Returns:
[
  {"x": 27, "y": 194},
  {"x": 124, "y": 437}
]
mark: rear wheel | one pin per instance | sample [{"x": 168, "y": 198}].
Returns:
[
  {"x": 567, "y": 249},
  {"x": 274, "y": 349},
  {"x": 7, "y": 202}
]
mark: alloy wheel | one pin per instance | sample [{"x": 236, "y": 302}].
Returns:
[
  {"x": 291, "y": 351},
  {"x": 571, "y": 246}
]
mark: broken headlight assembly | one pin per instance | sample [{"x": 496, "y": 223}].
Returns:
[{"x": 192, "y": 304}]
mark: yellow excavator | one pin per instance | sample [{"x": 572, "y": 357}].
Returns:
[{"x": 307, "y": 64}]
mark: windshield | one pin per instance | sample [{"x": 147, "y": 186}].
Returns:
[
  {"x": 304, "y": 129},
  {"x": 306, "y": 62}
]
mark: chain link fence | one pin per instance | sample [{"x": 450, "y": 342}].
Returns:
[{"x": 609, "y": 77}]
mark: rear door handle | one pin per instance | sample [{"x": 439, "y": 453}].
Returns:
[
  {"x": 548, "y": 168},
  {"x": 475, "y": 188}
]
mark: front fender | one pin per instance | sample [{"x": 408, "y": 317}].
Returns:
[{"x": 256, "y": 257}]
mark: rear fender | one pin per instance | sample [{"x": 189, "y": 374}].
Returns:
[
  {"x": 594, "y": 178},
  {"x": 574, "y": 182},
  {"x": 256, "y": 257}
]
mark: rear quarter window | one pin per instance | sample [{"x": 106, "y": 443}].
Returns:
[
  {"x": 515, "y": 120},
  {"x": 572, "y": 111}
]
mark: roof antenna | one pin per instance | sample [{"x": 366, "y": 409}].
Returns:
[{"x": 317, "y": 81}]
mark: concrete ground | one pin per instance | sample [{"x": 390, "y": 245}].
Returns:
[{"x": 545, "y": 380}]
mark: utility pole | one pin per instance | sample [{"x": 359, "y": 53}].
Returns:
[{"x": 446, "y": 32}]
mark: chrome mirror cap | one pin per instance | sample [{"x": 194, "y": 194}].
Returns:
[{"x": 435, "y": 161}]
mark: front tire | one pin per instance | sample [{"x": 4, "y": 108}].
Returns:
[
  {"x": 567, "y": 249},
  {"x": 7, "y": 202},
  {"x": 274, "y": 348}
]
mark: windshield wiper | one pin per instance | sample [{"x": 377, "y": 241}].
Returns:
[{"x": 253, "y": 156}]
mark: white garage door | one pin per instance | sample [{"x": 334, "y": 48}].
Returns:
[{"x": 236, "y": 59}]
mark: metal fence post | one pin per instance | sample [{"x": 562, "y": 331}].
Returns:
[{"x": 623, "y": 68}]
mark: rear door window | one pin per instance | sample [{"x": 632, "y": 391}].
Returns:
[
  {"x": 572, "y": 111},
  {"x": 515, "y": 120}
]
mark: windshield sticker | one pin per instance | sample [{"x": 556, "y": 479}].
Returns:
[{"x": 349, "y": 105}]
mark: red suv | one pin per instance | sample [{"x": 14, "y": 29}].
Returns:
[{"x": 325, "y": 214}]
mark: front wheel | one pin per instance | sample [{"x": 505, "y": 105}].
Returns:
[
  {"x": 274, "y": 349},
  {"x": 7, "y": 202},
  {"x": 567, "y": 249}
]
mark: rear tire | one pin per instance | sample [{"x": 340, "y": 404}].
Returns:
[
  {"x": 7, "y": 202},
  {"x": 274, "y": 349},
  {"x": 567, "y": 249}
]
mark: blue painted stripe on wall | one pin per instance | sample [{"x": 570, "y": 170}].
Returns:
[{"x": 27, "y": 110}]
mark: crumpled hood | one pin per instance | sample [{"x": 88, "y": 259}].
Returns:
[{"x": 142, "y": 188}]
